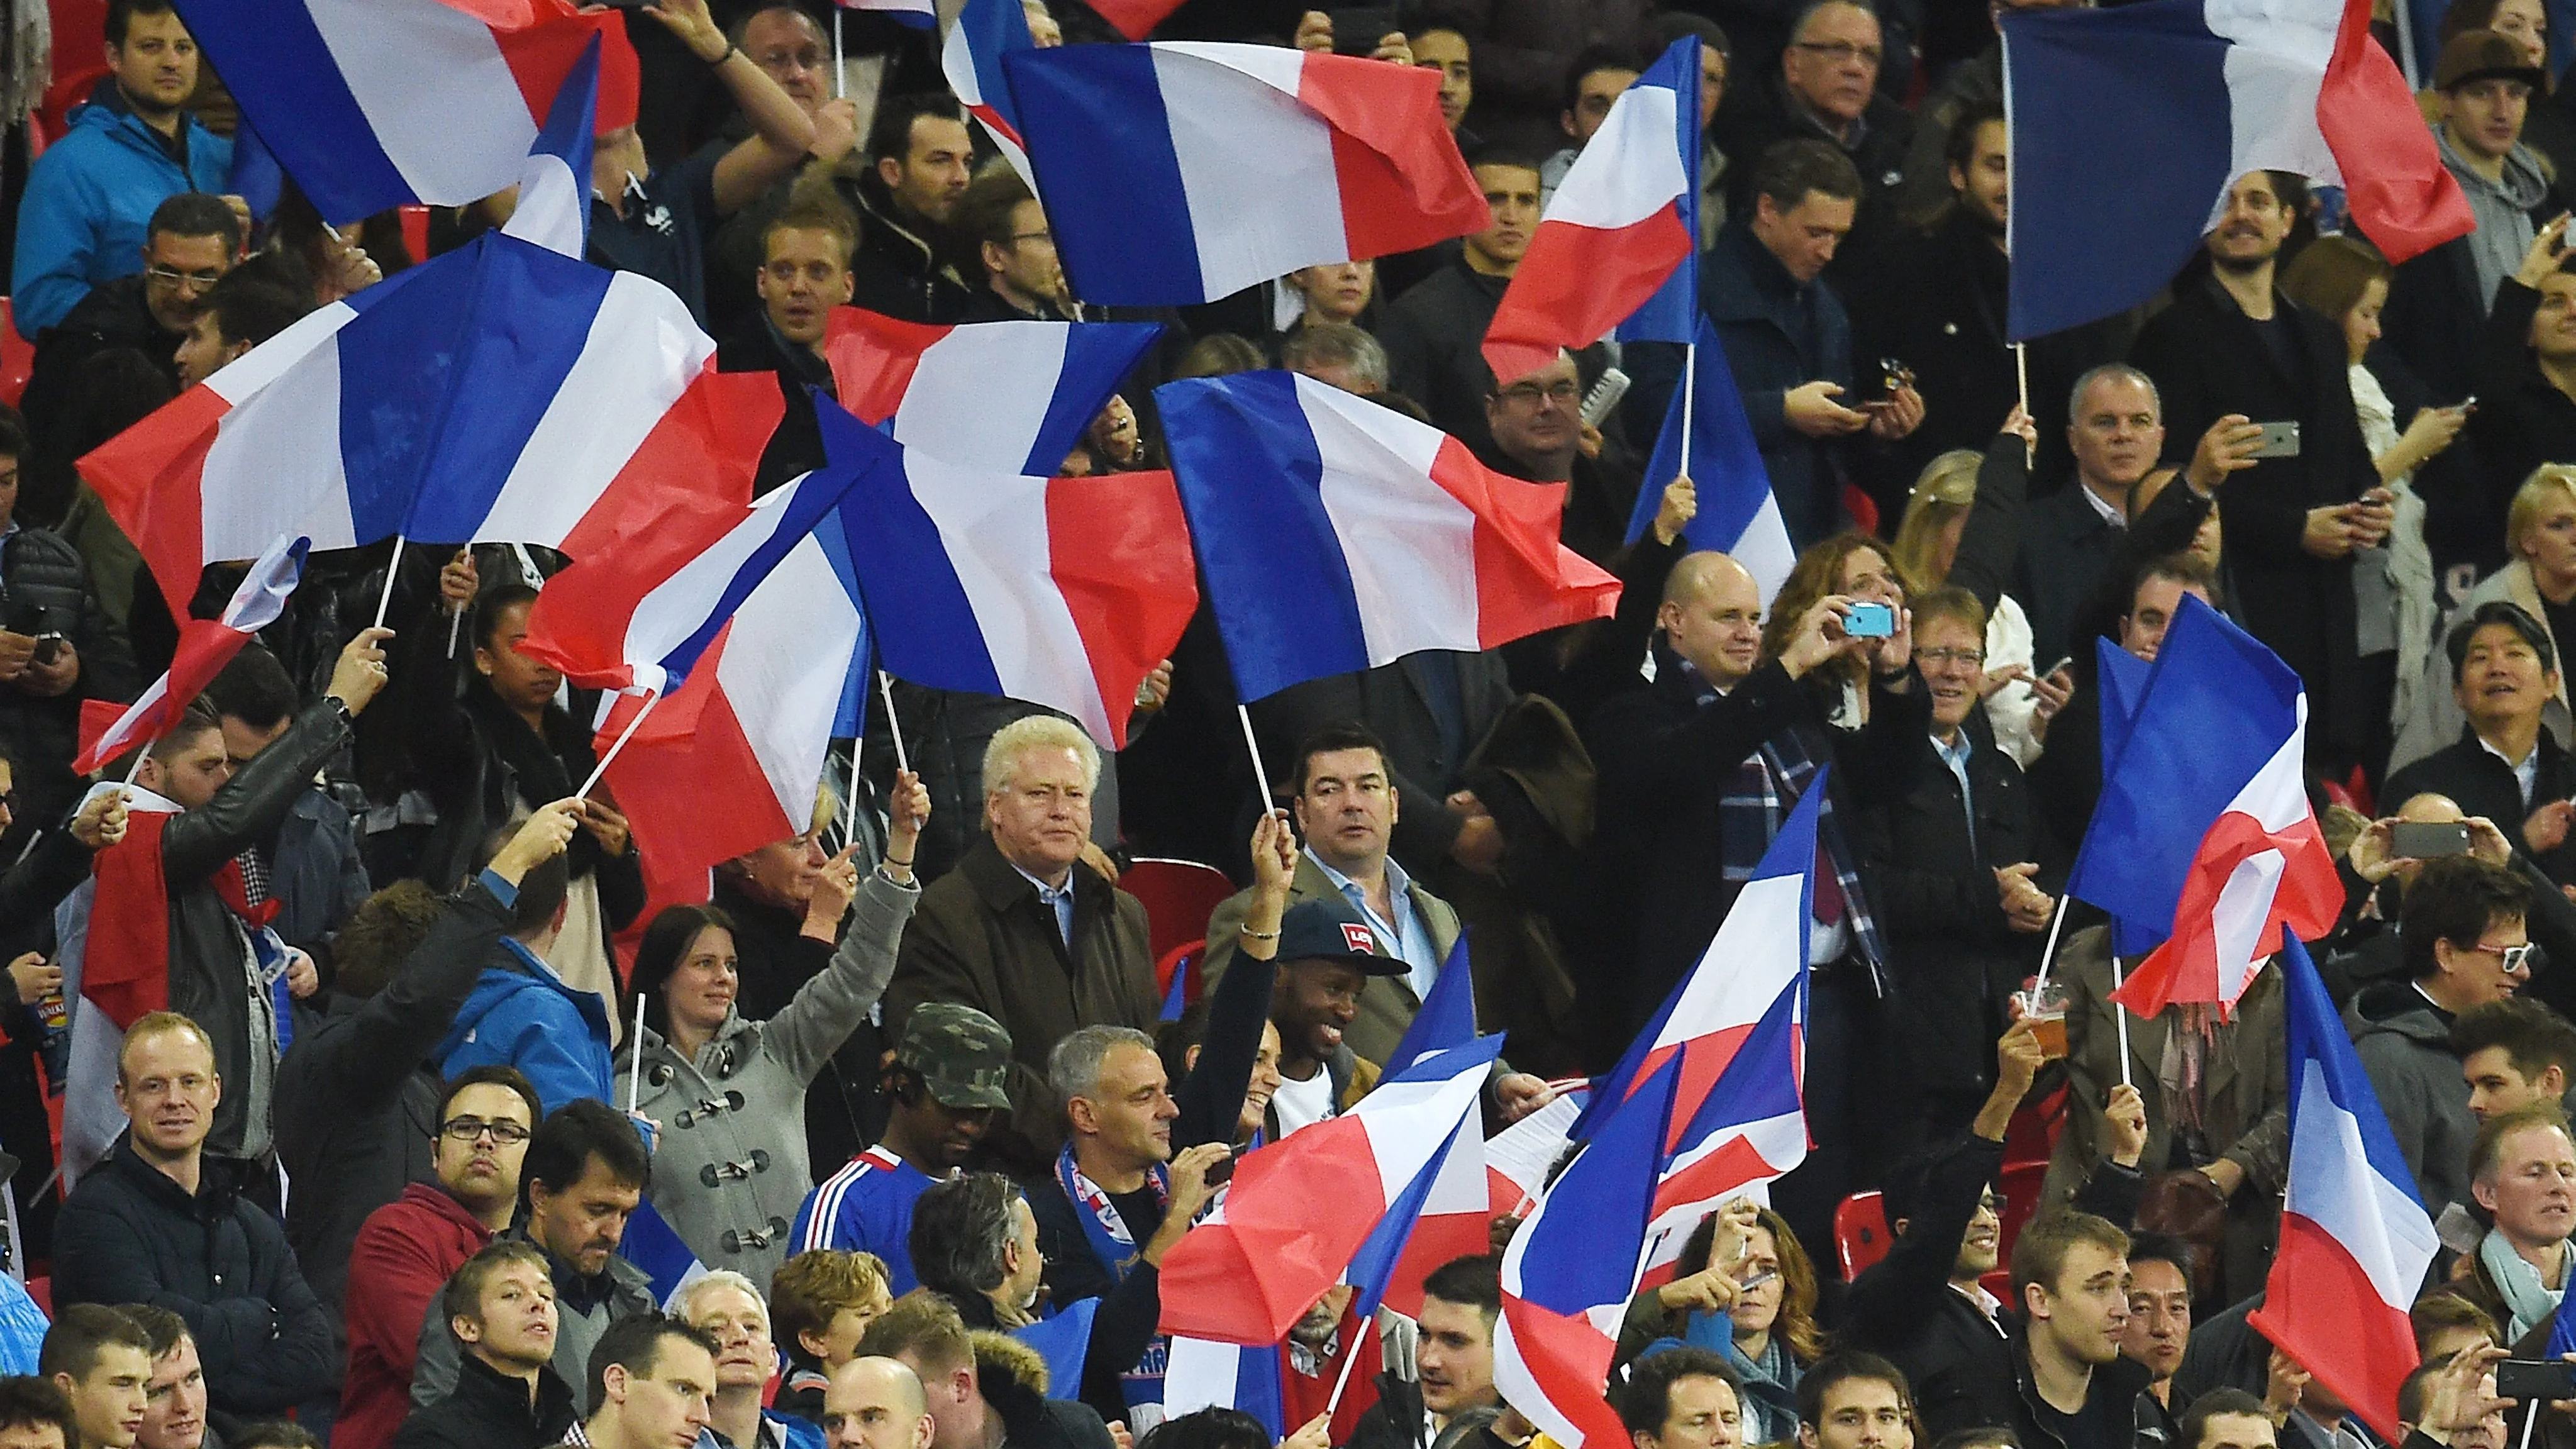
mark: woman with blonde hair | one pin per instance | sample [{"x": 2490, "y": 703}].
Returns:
[{"x": 2540, "y": 537}]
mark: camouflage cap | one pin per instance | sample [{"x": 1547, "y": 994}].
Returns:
[{"x": 963, "y": 1054}]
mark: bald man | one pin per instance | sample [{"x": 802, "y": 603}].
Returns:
[
  {"x": 876, "y": 1403},
  {"x": 1697, "y": 772}
]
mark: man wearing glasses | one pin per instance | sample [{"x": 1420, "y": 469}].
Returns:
[
  {"x": 192, "y": 240},
  {"x": 410, "y": 1247},
  {"x": 1827, "y": 89},
  {"x": 2463, "y": 944}
]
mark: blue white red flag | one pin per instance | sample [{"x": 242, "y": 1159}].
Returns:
[
  {"x": 919, "y": 14},
  {"x": 500, "y": 392},
  {"x": 1571, "y": 1269},
  {"x": 1064, "y": 592},
  {"x": 2355, "y": 1239},
  {"x": 650, "y": 1244},
  {"x": 553, "y": 209},
  {"x": 1064, "y": 1341},
  {"x": 2224, "y": 89},
  {"x": 205, "y": 646},
  {"x": 1204, "y": 1374},
  {"x": 371, "y": 104},
  {"x": 1337, "y": 534},
  {"x": 1444, "y": 1218},
  {"x": 1446, "y": 1018},
  {"x": 971, "y": 58},
  {"x": 1013, "y": 397},
  {"x": 1738, "y": 515},
  {"x": 2203, "y": 829},
  {"x": 1619, "y": 242},
  {"x": 638, "y": 612},
  {"x": 1182, "y": 172},
  {"x": 1299, "y": 1209}
]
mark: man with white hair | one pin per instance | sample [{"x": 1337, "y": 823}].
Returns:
[
  {"x": 1026, "y": 934},
  {"x": 727, "y": 1307}
]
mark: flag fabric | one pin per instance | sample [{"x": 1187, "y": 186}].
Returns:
[
  {"x": 1013, "y": 397},
  {"x": 1446, "y": 1018},
  {"x": 919, "y": 14},
  {"x": 205, "y": 646},
  {"x": 1299, "y": 1209},
  {"x": 1064, "y": 592},
  {"x": 971, "y": 59},
  {"x": 1571, "y": 1269},
  {"x": 639, "y": 612},
  {"x": 1738, "y": 515},
  {"x": 2224, "y": 89},
  {"x": 373, "y": 104},
  {"x": 1134, "y": 19},
  {"x": 1518, "y": 1158},
  {"x": 1750, "y": 1130},
  {"x": 1445, "y": 1217},
  {"x": 553, "y": 209},
  {"x": 2355, "y": 1240},
  {"x": 1204, "y": 1374},
  {"x": 1337, "y": 535},
  {"x": 500, "y": 392},
  {"x": 1618, "y": 244},
  {"x": 652, "y": 1245},
  {"x": 1714, "y": 1013},
  {"x": 1064, "y": 1341},
  {"x": 256, "y": 177},
  {"x": 1182, "y": 172},
  {"x": 2203, "y": 831}
]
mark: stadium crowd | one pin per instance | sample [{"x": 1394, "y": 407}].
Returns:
[{"x": 908, "y": 1085}]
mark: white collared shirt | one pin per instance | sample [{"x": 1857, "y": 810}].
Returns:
[{"x": 2526, "y": 774}]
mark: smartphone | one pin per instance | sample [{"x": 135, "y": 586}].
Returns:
[
  {"x": 2280, "y": 440},
  {"x": 2416, "y": 840},
  {"x": 2524, "y": 1380},
  {"x": 1869, "y": 621},
  {"x": 1606, "y": 392},
  {"x": 1358, "y": 28},
  {"x": 49, "y": 647},
  {"x": 2052, "y": 669}
]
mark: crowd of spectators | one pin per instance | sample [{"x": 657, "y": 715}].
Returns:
[{"x": 429, "y": 1082}]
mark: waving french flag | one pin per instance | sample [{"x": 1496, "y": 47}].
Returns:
[
  {"x": 638, "y": 612},
  {"x": 1337, "y": 534},
  {"x": 1738, "y": 515},
  {"x": 1299, "y": 1209},
  {"x": 501, "y": 392},
  {"x": 1011, "y": 396},
  {"x": 1571, "y": 1269},
  {"x": 1182, "y": 172},
  {"x": 2204, "y": 828},
  {"x": 205, "y": 647},
  {"x": 971, "y": 58},
  {"x": 1619, "y": 241},
  {"x": 1445, "y": 1218},
  {"x": 2355, "y": 1240},
  {"x": 1064, "y": 592},
  {"x": 553, "y": 209},
  {"x": 2224, "y": 88},
  {"x": 371, "y": 104}
]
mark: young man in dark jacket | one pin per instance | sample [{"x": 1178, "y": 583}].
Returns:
[
  {"x": 2071, "y": 1272},
  {"x": 501, "y": 1304},
  {"x": 163, "y": 1222}
]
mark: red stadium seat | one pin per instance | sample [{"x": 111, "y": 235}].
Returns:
[
  {"x": 1179, "y": 895},
  {"x": 17, "y": 357},
  {"x": 42, "y": 1290},
  {"x": 53, "y": 113},
  {"x": 1860, "y": 1232},
  {"x": 2021, "y": 1195}
]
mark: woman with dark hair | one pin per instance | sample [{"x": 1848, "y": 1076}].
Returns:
[{"x": 727, "y": 1093}]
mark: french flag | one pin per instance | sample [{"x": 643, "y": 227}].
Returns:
[
  {"x": 1009, "y": 396},
  {"x": 1202, "y": 1373},
  {"x": 1337, "y": 534},
  {"x": 372, "y": 104},
  {"x": 1619, "y": 241},
  {"x": 205, "y": 647},
  {"x": 1449, "y": 1219},
  {"x": 652, "y": 1245},
  {"x": 971, "y": 59},
  {"x": 2355, "y": 1240},
  {"x": 639, "y": 612},
  {"x": 1571, "y": 1269},
  {"x": 1736, "y": 1026},
  {"x": 2203, "y": 830},
  {"x": 1064, "y": 592},
  {"x": 500, "y": 392},
  {"x": 1299, "y": 1210},
  {"x": 2223, "y": 89},
  {"x": 1178, "y": 173},
  {"x": 1737, "y": 514},
  {"x": 553, "y": 209}
]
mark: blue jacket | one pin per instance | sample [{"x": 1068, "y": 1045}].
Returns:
[
  {"x": 88, "y": 203},
  {"x": 523, "y": 1016}
]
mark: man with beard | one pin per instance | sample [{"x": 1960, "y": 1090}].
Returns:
[
  {"x": 1327, "y": 953},
  {"x": 942, "y": 1090},
  {"x": 2232, "y": 343}
]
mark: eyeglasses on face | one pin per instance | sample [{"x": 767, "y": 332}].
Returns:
[{"x": 466, "y": 1129}]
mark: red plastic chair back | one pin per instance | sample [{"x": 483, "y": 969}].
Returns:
[
  {"x": 17, "y": 357},
  {"x": 53, "y": 114},
  {"x": 1861, "y": 1236},
  {"x": 42, "y": 1290},
  {"x": 1179, "y": 896},
  {"x": 2021, "y": 1197}
]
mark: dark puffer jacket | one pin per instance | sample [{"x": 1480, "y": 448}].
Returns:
[
  {"x": 44, "y": 589},
  {"x": 129, "y": 1234}
]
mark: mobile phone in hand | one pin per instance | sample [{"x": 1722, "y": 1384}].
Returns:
[{"x": 1866, "y": 620}]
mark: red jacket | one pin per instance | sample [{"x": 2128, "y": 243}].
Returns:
[{"x": 403, "y": 1257}]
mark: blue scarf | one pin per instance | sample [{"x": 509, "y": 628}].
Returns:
[{"x": 1114, "y": 1248}]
